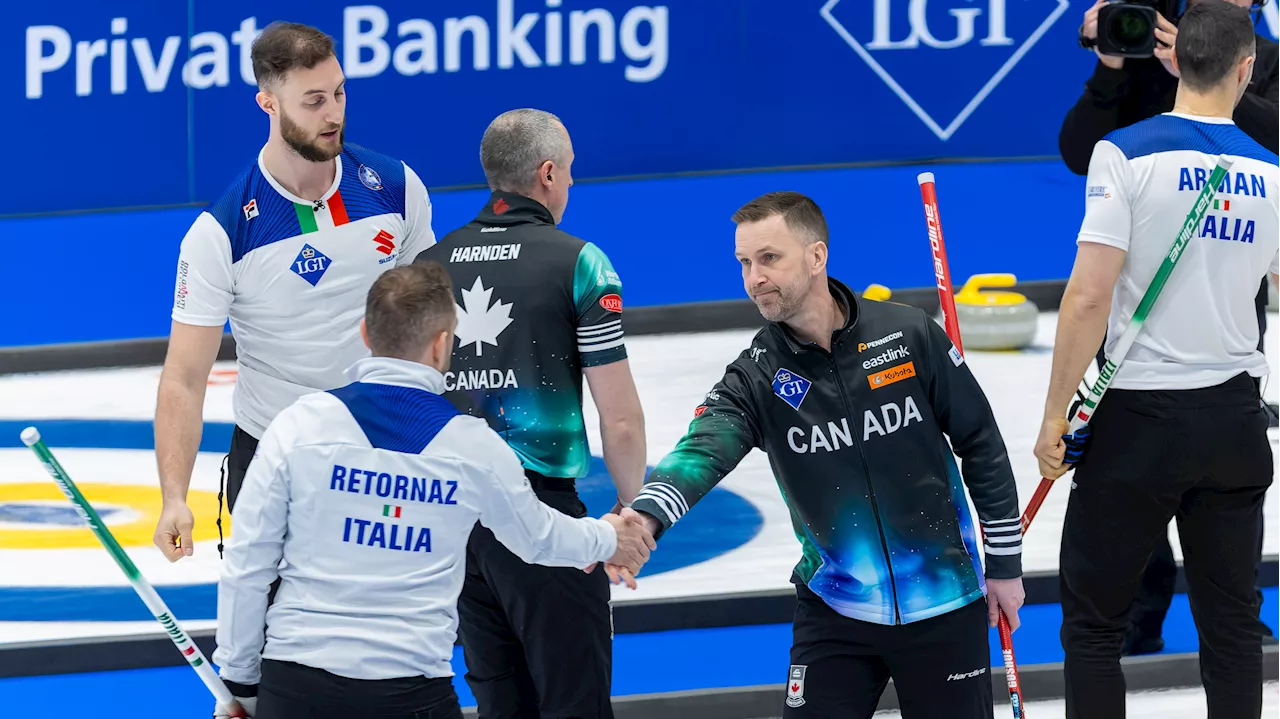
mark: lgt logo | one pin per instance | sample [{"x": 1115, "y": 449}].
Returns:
[{"x": 901, "y": 40}]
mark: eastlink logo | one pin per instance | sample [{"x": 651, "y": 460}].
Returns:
[
  {"x": 864, "y": 346},
  {"x": 419, "y": 47},
  {"x": 887, "y": 356},
  {"x": 993, "y": 35}
]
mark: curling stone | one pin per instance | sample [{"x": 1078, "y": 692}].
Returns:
[
  {"x": 878, "y": 293},
  {"x": 995, "y": 319}
]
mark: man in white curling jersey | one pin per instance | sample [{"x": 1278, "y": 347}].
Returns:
[
  {"x": 287, "y": 254},
  {"x": 369, "y": 493},
  {"x": 1181, "y": 432}
]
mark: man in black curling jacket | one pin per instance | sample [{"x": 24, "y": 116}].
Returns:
[{"x": 1124, "y": 91}]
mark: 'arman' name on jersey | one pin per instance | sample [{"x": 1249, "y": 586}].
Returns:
[{"x": 1240, "y": 184}]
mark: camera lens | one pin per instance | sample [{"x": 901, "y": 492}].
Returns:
[{"x": 1132, "y": 28}]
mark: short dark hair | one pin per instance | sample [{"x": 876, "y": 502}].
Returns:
[
  {"x": 407, "y": 307},
  {"x": 1212, "y": 38},
  {"x": 802, "y": 215},
  {"x": 285, "y": 46}
]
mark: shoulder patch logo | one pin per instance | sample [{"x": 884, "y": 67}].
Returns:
[
  {"x": 251, "y": 209},
  {"x": 613, "y": 303},
  {"x": 791, "y": 387},
  {"x": 795, "y": 685},
  {"x": 311, "y": 264},
  {"x": 369, "y": 177},
  {"x": 957, "y": 359}
]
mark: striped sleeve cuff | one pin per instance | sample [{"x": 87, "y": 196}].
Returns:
[
  {"x": 663, "y": 501},
  {"x": 601, "y": 337},
  {"x": 1003, "y": 547}
]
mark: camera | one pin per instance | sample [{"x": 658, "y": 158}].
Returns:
[{"x": 1127, "y": 28}]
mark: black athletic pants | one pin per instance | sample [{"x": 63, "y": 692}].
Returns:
[
  {"x": 294, "y": 691},
  {"x": 243, "y": 445},
  {"x": 1160, "y": 576},
  {"x": 1200, "y": 456},
  {"x": 840, "y": 666},
  {"x": 538, "y": 640}
]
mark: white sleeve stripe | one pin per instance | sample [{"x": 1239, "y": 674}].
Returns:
[
  {"x": 1002, "y": 531},
  {"x": 1004, "y": 551},
  {"x": 1015, "y": 539},
  {"x": 602, "y": 347},
  {"x": 672, "y": 492},
  {"x": 597, "y": 329},
  {"x": 663, "y": 503},
  {"x": 600, "y": 338},
  {"x": 995, "y": 522}
]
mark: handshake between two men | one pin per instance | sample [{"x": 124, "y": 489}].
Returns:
[{"x": 635, "y": 540}]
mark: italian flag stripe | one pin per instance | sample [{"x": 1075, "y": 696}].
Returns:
[
  {"x": 390, "y": 510},
  {"x": 333, "y": 214},
  {"x": 1222, "y": 204},
  {"x": 337, "y": 210},
  {"x": 306, "y": 217}
]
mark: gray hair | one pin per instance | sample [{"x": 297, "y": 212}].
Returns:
[{"x": 516, "y": 144}]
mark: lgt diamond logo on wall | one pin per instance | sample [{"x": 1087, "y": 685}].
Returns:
[{"x": 942, "y": 57}]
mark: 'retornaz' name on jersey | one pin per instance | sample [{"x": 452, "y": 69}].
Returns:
[
  {"x": 1223, "y": 222},
  {"x": 398, "y": 487},
  {"x": 485, "y": 253}
]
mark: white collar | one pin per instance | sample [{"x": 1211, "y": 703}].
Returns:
[
  {"x": 337, "y": 180},
  {"x": 1208, "y": 119},
  {"x": 397, "y": 372}
]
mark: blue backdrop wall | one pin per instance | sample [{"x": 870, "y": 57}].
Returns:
[
  {"x": 670, "y": 239},
  {"x": 150, "y": 103}
]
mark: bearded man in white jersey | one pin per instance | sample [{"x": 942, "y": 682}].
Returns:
[
  {"x": 1181, "y": 433},
  {"x": 287, "y": 255}
]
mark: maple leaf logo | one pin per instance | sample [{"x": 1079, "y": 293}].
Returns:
[{"x": 479, "y": 323}]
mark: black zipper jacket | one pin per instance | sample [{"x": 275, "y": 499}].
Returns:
[{"x": 858, "y": 440}]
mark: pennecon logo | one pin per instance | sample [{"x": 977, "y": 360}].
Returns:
[{"x": 942, "y": 57}]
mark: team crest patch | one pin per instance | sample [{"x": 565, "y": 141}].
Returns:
[
  {"x": 369, "y": 178},
  {"x": 311, "y": 264},
  {"x": 795, "y": 686},
  {"x": 791, "y": 387}
]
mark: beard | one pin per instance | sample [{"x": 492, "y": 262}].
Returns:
[
  {"x": 782, "y": 302},
  {"x": 312, "y": 149}
]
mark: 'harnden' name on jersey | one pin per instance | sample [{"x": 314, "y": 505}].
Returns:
[
  {"x": 1143, "y": 182},
  {"x": 535, "y": 306},
  {"x": 292, "y": 275}
]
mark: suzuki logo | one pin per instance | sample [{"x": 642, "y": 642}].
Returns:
[{"x": 884, "y": 29}]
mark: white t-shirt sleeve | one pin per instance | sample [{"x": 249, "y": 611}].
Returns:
[
  {"x": 1108, "y": 211},
  {"x": 417, "y": 216},
  {"x": 530, "y": 529},
  {"x": 204, "y": 287}
]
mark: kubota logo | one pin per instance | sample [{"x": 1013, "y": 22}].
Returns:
[{"x": 896, "y": 38}]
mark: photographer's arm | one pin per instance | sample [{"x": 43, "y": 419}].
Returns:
[
  {"x": 1097, "y": 111},
  {"x": 1095, "y": 114},
  {"x": 1258, "y": 113}
]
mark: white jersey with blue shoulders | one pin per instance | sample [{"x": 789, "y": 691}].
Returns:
[
  {"x": 292, "y": 275},
  {"x": 369, "y": 493},
  {"x": 1143, "y": 182}
]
